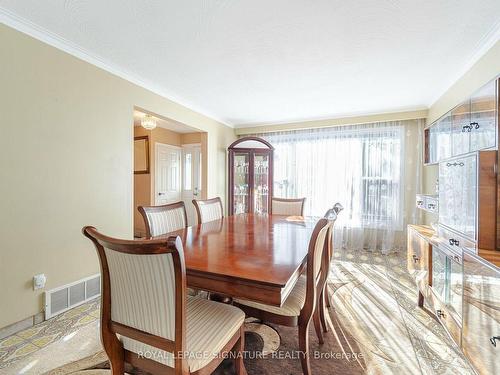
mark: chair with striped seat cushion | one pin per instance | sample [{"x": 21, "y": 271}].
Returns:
[
  {"x": 147, "y": 316},
  {"x": 300, "y": 305},
  {"x": 164, "y": 219},
  {"x": 209, "y": 209},
  {"x": 288, "y": 207}
]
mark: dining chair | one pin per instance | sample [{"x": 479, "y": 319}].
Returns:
[
  {"x": 324, "y": 298},
  {"x": 300, "y": 305},
  {"x": 290, "y": 207},
  {"x": 163, "y": 219},
  {"x": 208, "y": 209},
  {"x": 147, "y": 319}
]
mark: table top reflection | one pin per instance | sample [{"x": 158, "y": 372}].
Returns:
[{"x": 247, "y": 250}]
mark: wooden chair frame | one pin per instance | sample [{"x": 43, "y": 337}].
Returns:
[
  {"x": 144, "y": 210},
  {"x": 117, "y": 355},
  {"x": 324, "y": 299},
  {"x": 197, "y": 203},
  {"x": 309, "y": 311},
  {"x": 289, "y": 200}
]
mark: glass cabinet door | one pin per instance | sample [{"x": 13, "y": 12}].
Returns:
[
  {"x": 261, "y": 183},
  {"x": 446, "y": 195},
  {"x": 433, "y": 144},
  {"x": 241, "y": 189},
  {"x": 483, "y": 119},
  {"x": 460, "y": 133},
  {"x": 455, "y": 288},
  {"x": 469, "y": 196},
  {"x": 443, "y": 138},
  {"x": 439, "y": 267},
  {"x": 481, "y": 315}
]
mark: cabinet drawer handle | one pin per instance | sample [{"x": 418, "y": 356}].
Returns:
[
  {"x": 440, "y": 313},
  {"x": 431, "y": 205},
  {"x": 494, "y": 339},
  {"x": 453, "y": 241},
  {"x": 457, "y": 258},
  {"x": 461, "y": 164},
  {"x": 475, "y": 125},
  {"x": 415, "y": 259},
  {"x": 467, "y": 128}
]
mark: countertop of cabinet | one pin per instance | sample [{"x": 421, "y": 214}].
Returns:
[{"x": 426, "y": 231}]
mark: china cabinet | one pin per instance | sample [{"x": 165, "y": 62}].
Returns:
[
  {"x": 250, "y": 176},
  {"x": 470, "y": 126},
  {"x": 456, "y": 263}
]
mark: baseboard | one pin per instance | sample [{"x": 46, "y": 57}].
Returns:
[{"x": 13, "y": 328}]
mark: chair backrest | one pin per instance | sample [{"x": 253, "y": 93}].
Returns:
[
  {"x": 316, "y": 262},
  {"x": 143, "y": 292},
  {"x": 163, "y": 219},
  {"x": 209, "y": 209},
  {"x": 290, "y": 207}
]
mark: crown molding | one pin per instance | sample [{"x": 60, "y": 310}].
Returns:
[
  {"x": 482, "y": 47},
  {"x": 40, "y": 33}
]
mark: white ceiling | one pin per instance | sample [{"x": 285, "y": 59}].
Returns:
[{"x": 259, "y": 61}]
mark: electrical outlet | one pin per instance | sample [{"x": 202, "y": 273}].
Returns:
[{"x": 39, "y": 281}]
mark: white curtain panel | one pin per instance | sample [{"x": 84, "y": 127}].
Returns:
[{"x": 373, "y": 170}]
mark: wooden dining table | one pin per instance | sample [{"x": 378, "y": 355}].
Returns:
[{"x": 258, "y": 257}]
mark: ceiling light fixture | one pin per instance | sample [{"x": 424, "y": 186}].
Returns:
[{"x": 148, "y": 122}]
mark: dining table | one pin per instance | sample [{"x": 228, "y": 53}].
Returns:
[{"x": 257, "y": 257}]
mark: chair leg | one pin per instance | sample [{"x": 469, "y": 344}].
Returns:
[
  {"x": 304, "y": 347},
  {"x": 114, "y": 351},
  {"x": 327, "y": 296},
  {"x": 317, "y": 326},
  {"x": 322, "y": 311},
  {"x": 240, "y": 348}
]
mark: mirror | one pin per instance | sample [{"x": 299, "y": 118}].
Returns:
[{"x": 141, "y": 155}]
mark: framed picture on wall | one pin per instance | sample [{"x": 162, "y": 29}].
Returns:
[{"x": 141, "y": 155}]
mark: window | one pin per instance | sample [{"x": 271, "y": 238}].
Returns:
[{"x": 358, "y": 166}]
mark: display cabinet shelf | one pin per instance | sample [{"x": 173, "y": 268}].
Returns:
[{"x": 250, "y": 176}]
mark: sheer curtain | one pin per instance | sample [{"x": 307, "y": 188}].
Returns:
[{"x": 371, "y": 169}]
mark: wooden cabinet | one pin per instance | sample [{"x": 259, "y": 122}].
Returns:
[
  {"x": 470, "y": 126},
  {"x": 418, "y": 260},
  {"x": 250, "y": 176},
  {"x": 481, "y": 315}
]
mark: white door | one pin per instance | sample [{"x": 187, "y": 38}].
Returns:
[
  {"x": 191, "y": 178},
  {"x": 168, "y": 174}
]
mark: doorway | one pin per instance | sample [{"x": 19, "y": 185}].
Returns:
[
  {"x": 174, "y": 154},
  {"x": 191, "y": 178}
]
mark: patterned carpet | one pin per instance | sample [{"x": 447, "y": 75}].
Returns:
[{"x": 376, "y": 328}]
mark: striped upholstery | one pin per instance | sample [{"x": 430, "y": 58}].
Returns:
[
  {"x": 210, "y": 325},
  {"x": 319, "y": 247},
  {"x": 296, "y": 300},
  {"x": 292, "y": 208},
  {"x": 167, "y": 221},
  {"x": 292, "y": 305},
  {"x": 210, "y": 211},
  {"x": 143, "y": 292}
]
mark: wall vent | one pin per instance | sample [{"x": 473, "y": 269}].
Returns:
[{"x": 63, "y": 298}]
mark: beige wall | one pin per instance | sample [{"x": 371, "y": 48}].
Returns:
[
  {"x": 367, "y": 119},
  {"x": 65, "y": 135}
]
